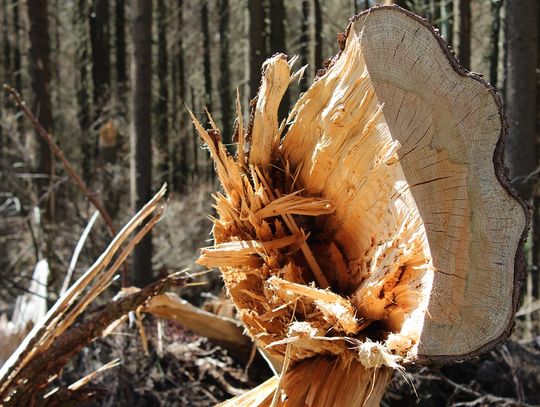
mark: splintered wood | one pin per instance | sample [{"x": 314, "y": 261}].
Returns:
[
  {"x": 326, "y": 246},
  {"x": 315, "y": 249}
]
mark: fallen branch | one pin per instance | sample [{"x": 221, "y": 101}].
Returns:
[
  {"x": 61, "y": 316},
  {"x": 60, "y": 155},
  {"x": 224, "y": 332},
  {"x": 33, "y": 379}
]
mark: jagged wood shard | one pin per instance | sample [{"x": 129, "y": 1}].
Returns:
[{"x": 381, "y": 230}]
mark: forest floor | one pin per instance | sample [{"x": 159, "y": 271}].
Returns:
[{"x": 184, "y": 369}]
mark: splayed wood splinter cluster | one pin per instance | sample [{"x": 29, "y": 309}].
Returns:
[{"x": 325, "y": 224}]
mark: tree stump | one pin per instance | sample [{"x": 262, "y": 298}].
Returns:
[{"x": 376, "y": 229}]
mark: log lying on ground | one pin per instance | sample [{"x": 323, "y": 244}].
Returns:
[
  {"x": 380, "y": 229},
  {"x": 225, "y": 332}
]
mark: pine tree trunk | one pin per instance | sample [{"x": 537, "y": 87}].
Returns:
[
  {"x": 141, "y": 142},
  {"x": 180, "y": 157},
  {"x": 120, "y": 50},
  {"x": 101, "y": 62},
  {"x": 162, "y": 105},
  {"x": 304, "y": 43},
  {"x": 40, "y": 74},
  {"x": 462, "y": 13},
  {"x": 256, "y": 44},
  {"x": 495, "y": 32},
  {"x": 17, "y": 64},
  {"x": 318, "y": 34},
  {"x": 447, "y": 21},
  {"x": 225, "y": 74},
  {"x": 278, "y": 36},
  {"x": 206, "y": 57},
  {"x": 82, "y": 85},
  {"x": 520, "y": 95}
]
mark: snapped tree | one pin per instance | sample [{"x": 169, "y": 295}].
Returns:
[{"x": 378, "y": 228}]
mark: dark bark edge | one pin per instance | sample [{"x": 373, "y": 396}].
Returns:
[{"x": 501, "y": 173}]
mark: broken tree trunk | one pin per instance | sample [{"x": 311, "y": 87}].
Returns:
[{"x": 380, "y": 230}]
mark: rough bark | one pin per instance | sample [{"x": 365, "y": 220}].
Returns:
[
  {"x": 520, "y": 93},
  {"x": 225, "y": 74},
  {"x": 180, "y": 158},
  {"x": 82, "y": 85},
  {"x": 141, "y": 134},
  {"x": 462, "y": 13},
  {"x": 120, "y": 52},
  {"x": 482, "y": 45},
  {"x": 318, "y": 34},
  {"x": 496, "y": 7},
  {"x": 101, "y": 60},
  {"x": 304, "y": 43},
  {"x": 257, "y": 49},
  {"x": 162, "y": 105},
  {"x": 40, "y": 75},
  {"x": 17, "y": 63},
  {"x": 206, "y": 57},
  {"x": 278, "y": 35}
]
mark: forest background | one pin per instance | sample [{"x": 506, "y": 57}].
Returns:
[{"x": 111, "y": 81}]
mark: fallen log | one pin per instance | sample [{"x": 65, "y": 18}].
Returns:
[{"x": 414, "y": 252}]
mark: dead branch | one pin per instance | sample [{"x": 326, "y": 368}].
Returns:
[
  {"x": 31, "y": 382},
  {"x": 64, "y": 312},
  {"x": 60, "y": 155}
]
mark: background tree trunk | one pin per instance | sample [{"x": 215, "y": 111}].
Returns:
[
  {"x": 462, "y": 14},
  {"x": 304, "y": 43},
  {"x": 162, "y": 105},
  {"x": 101, "y": 62},
  {"x": 141, "y": 142},
  {"x": 278, "y": 35},
  {"x": 120, "y": 51},
  {"x": 225, "y": 74},
  {"x": 318, "y": 35},
  {"x": 180, "y": 157},
  {"x": 206, "y": 57},
  {"x": 257, "y": 49},
  {"x": 82, "y": 86},
  {"x": 40, "y": 74},
  {"x": 520, "y": 92}
]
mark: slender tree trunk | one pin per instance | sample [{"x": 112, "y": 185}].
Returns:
[
  {"x": 462, "y": 13},
  {"x": 304, "y": 42},
  {"x": 447, "y": 21},
  {"x": 162, "y": 105},
  {"x": 195, "y": 144},
  {"x": 206, "y": 57},
  {"x": 495, "y": 31},
  {"x": 180, "y": 166},
  {"x": 225, "y": 74},
  {"x": 141, "y": 142},
  {"x": 6, "y": 68},
  {"x": 40, "y": 74},
  {"x": 17, "y": 64},
  {"x": 6, "y": 47},
  {"x": 257, "y": 48},
  {"x": 120, "y": 51},
  {"x": 318, "y": 34},
  {"x": 520, "y": 95},
  {"x": 82, "y": 85},
  {"x": 101, "y": 62},
  {"x": 278, "y": 37}
]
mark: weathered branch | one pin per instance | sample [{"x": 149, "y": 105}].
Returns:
[
  {"x": 32, "y": 380},
  {"x": 60, "y": 155}
]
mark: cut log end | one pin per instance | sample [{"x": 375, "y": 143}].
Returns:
[{"x": 377, "y": 231}]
